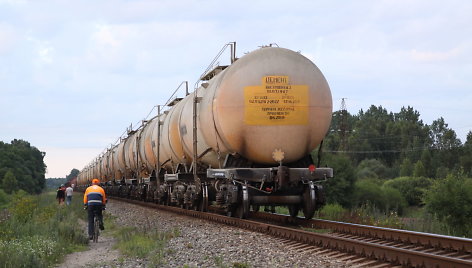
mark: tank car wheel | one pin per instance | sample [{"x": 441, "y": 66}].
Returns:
[
  {"x": 309, "y": 201},
  {"x": 293, "y": 210},
  {"x": 242, "y": 210}
]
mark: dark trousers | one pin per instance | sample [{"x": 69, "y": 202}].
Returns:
[{"x": 92, "y": 211}]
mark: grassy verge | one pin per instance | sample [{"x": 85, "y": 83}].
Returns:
[
  {"x": 143, "y": 243},
  {"x": 38, "y": 232}
]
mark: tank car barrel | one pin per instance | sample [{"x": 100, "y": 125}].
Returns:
[{"x": 256, "y": 121}]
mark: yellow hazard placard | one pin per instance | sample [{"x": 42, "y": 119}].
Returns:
[{"x": 276, "y": 102}]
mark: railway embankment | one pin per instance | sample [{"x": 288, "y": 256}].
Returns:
[{"x": 190, "y": 242}]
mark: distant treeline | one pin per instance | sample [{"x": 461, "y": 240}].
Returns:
[
  {"x": 394, "y": 162},
  {"x": 56, "y": 182},
  {"x": 400, "y": 141},
  {"x": 21, "y": 167}
]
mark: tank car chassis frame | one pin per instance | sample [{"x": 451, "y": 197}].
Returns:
[{"x": 298, "y": 188}]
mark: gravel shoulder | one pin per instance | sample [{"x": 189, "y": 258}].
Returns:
[{"x": 199, "y": 244}]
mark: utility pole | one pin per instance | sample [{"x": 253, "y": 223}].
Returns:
[{"x": 343, "y": 126}]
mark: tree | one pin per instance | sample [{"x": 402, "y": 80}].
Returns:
[
  {"x": 371, "y": 168},
  {"x": 450, "y": 200},
  {"x": 406, "y": 168},
  {"x": 426, "y": 160},
  {"x": 411, "y": 188},
  {"x": 9, "y": 182},
  {"x": 419, "y": 170},
  {"x": 25, "y": 162},
  {"x": 340, "y": 188},
  {"x": 73, "y": 173},
  {"x": 466, "y": 155},
  {"x": 446, "y": 144}
]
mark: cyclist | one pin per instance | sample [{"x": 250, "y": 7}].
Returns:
[{"x": 94, "y": 201}]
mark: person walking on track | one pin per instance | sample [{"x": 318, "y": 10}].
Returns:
[{"x": 94, "y": 201}]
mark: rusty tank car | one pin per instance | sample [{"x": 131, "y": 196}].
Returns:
[{"x": 242, "y": 139}]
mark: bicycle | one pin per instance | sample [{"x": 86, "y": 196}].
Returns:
[{"x": 96, "y": 227}]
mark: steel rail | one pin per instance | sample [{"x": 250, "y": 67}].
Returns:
[
  {"x": 461, "y": 245},
  {"x": 393, "y": 255}
]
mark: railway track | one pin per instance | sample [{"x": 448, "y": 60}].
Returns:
[{"x": 362, "y": 245}]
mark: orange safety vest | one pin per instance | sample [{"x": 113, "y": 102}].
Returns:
[{"x": 95, "y": 195}]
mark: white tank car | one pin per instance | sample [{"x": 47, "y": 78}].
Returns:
[{"x": 270, "y": 107}]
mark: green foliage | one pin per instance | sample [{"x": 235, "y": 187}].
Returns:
[
  {"x": 54, "y": 183},
  {"x": 333, "y": 212},
  {"x": 411, "y": 188},
  {"x": 26, "y": 164},
  {"x": 382, "y": 197},
  {"x": 397, "y": 141},
  {"x": 4, "y": 199},
  {"x": 39, "y": 233},
  {"x": 144, "y": 243},
  {"x": 419, "y": 170},
  {"x": 369, "y": 214},
  {"x": 450, "y": 200},
  {"x": 371, "y": 169},
  {"x": 340, "y": 188},
  {"x": 406, "y": 168},
  {"x": 393, "y": 200},
  {"x": 23, "y": 207},
  {"x": 73, "y": 173},
  {"x": 9, "y": 182}
]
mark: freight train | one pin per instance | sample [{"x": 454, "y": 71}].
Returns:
[{"x": 243, "y": 139}]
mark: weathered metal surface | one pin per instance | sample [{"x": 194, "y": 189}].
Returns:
[
  {"x": 272, "y": 99},
  {"x": 145, "y": 146},
  {"x": 226, "y": 110}
]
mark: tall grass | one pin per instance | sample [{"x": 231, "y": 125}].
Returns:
[
  {"x": 38, "y": 232},
  {"x": 145, "y": 243}
]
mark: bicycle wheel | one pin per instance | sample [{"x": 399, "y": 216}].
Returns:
[{"x": 96, "y": 229}]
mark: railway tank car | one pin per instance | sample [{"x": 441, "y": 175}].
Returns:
[{"x": 243, "y": 138}]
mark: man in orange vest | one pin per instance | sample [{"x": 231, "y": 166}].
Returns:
[{"x": 95, "y": 201}]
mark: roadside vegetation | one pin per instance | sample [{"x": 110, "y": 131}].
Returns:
[
  {"x": 36, "y": 232},
  {"x": 143, "y": 243},
  {"x": 393, "y": 170}
]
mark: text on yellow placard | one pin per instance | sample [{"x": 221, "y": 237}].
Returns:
[{"x": 276, "y": 102}]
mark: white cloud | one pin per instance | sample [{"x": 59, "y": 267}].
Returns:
[{"x": 87, "y": 71}]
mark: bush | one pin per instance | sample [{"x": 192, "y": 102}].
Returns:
[
  {"x": 38, "y": 232},
  {"x": 393, "y": 200},
  {"x": 4, "y": 199},
  {"x": 385, "y": 198},
  {"x": 411, "y": 188},
  {"x": 450, "y": 200},
  {"x": 371, "y": 169},
  {"x": 340, "y": 188},
  {"x": 368, "y": 191},
  {"x": 334, "y": 212}
]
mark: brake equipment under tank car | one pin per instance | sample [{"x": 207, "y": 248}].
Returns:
[{"x": 242, "y": 139}]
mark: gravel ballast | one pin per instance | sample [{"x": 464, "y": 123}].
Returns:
[{"x": 205, "y": 244}]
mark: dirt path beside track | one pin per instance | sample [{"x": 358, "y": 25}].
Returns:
[{"x": 97, "y": 255}]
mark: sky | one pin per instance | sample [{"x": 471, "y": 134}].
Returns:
[{"x": 75, "y": 74}]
